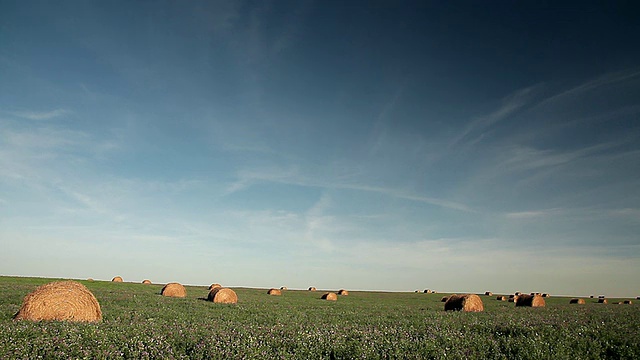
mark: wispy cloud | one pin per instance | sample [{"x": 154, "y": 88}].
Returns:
[
  {"x": 39, "y": 115},
  {"x": 609, "y": 79},
  {"x": 510, "y": 105},
  {"x": 532, "y": 214},
  {"x": 292, "y": 176}
]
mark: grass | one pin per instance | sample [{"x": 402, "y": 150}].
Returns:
[{"x": 139, "y": 323}]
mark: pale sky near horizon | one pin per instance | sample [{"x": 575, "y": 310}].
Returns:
[{"x": 372, "y": 145}]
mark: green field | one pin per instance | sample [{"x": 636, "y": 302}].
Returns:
[{"x": 139, "y": 323}]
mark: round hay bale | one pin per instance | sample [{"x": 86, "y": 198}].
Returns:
[
  {"x": 90, "y": 279},
  {"x": 117, "y": 279},
  {"x": 283, "y": 288},
  {"x": 444, "y": 299},
  {"x": 513, "y": 298},
  {"x": 214, "y": 285},
  {"x": 517, "y": 293},
  {"x": 274, "y": 292},
  {"x": 545, "y": 295},
  {"x": 530, "y": 301},
  {"x": 60, "y": 300},
  {"x": 330, "y": 296},
  {"x": 602, "y": 301},
  {"x": 343, "y": 292},
  {"x": 501, "y": 298},
  {"x": 576, "y": 301},
  {"x": 222, "y": 295},
  {"x": 601, "y": 296},
  {"x": 312, "y": 289},
  {"x": 467, "y": 302},
  {"x": 174, "y": 289},
  {"x": 427, "y": 291},
  {"x": 627, "y": 302},
  {"x": 488, "y": 293},
  {"x": 590, "y": 296},
  {"x": 146, "y": 281}
]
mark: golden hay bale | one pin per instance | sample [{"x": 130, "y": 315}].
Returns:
[
  {"x": 274, "y": 292},
  {"x": 330, "y": 296},
  {"x": 312, "y": 289},
  {"x": 146, "y": 281},
  {"x": 283, "y": 288},
  {"x": 60, "y": 300},
  {"x": 343, "y": 292},
  {"x": 215, "y": 285},
  {"x": 467, "y": 302},
  {"x": 627, "y": 302},
  {"x": 602, "y": 301},
  {"x": 222, "y": 295},
  {"x": 444, "y": 299},
  {"x": 488, "y": 293},
  {"x": 427, "y": 291},
  {"x": 174, "y": 289},
  {"x": 501, "y": 298},
  {"x": 530, "y": 300},
  {"x": 546, "y": 295},
  {"x": 90, "y": 279},
  {"x": 513, "y": 298},
  {"x": 576, "y": 301},
  {"x": 117, "y": 279},
  {"x": 517, "y": 293}
]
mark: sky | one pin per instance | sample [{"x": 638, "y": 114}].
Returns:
[{"x": 365, "y": 145}]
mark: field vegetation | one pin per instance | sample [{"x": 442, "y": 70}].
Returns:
[{"x": 140, "y": 323}]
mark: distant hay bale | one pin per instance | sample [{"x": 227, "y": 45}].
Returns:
[
  {"x": 117, "y": 279},
  {"x": 501, "y": 298},
  {"x": 174, "y": 289},
  {"x": 331, "y": 296},
  {"x": 146, "y": 281},
  {"x": 488, "y": 293},
  {"x": 312, "y": 289},
  {"x": 434, "y": 292},
  {"x": 590, "y": 296},
  {"x": 545, "y": 295},
  {"x": 62, "y": 301},
  {"x": 513, "y": 298},
  {"x": 417, "y": 291},
  {"x": 601, "y": 296},
  {"x": 517, "y": 293},
  {"x": 213, "y": 286},
  {"x": 274, "y": 292},
  {"x": 222, "y": 295},
  {"x": 283, "y": 288},
  {"x": 530, "y": 300},
  {"x": 627, "y": 302},
  {"x": 444, "y": 299},
  {"x": 576, "y": 301},
  {"x": 427, "y": 291},
  {"x": 343, "y": 292},
  {"x": 467, "y": 302},
  {"x": 602, "y": 301},
  {"x": 89, "y": 279}
]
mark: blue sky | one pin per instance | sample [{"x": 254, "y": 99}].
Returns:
[{"x": 360, "y": 145}]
